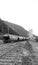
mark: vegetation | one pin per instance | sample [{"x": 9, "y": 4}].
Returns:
[{"x": 4, "y": 29}]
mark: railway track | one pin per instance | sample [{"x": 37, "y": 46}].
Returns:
[{"x": 7, "y": 53}]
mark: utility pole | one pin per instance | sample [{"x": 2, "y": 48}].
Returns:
[
  {"x": 8, "y": 30},
  {"x": 2, "y": 29}
]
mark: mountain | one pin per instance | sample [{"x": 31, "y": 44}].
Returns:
[{"x": 6, "y": 27}]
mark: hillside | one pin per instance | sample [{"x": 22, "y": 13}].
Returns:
[
  {"x": 20, "y": 30},
  {"x": 4, "y": 28},
  {"x": 13, "y": 28}
]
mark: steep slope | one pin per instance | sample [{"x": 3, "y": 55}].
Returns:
[
  {"x": 4, "y": 28},
  {"x": 20, "y": 30}
]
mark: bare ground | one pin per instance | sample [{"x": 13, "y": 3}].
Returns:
[{"x": 12, "y": 53}]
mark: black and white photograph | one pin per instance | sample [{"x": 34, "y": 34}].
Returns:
[{"x": 18, "y": 32}]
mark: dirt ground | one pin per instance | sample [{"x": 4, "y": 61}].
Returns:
[{"x": 19, "y": 53}]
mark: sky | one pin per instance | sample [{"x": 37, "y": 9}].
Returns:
[{"x": 21, "y": 12}]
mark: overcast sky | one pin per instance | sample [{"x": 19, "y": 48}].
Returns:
[{"x": 21, "y": 12}]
